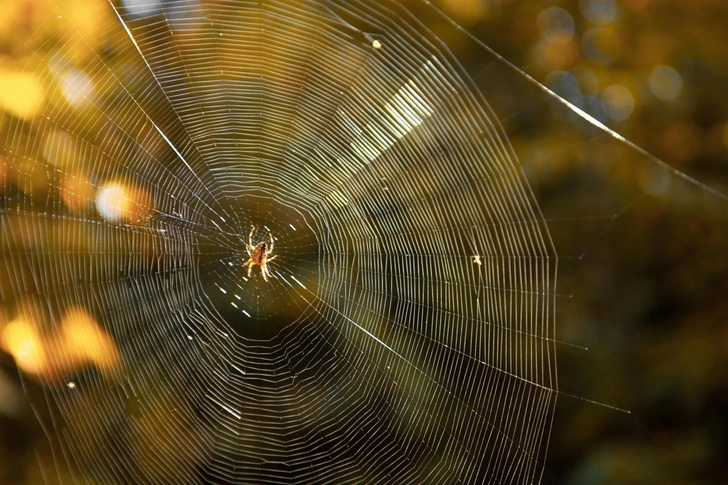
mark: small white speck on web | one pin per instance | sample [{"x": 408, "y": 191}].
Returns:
[
  {"x": 246, "y": 313},
  {"x": 292, "y": 227},
  {"x": 376, "y": 44},
  {"x": 233, "y": 304},
  {"x": 71, "y": 385}
]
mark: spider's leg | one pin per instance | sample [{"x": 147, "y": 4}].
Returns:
[
  {"x": 250, "y": 237},
  {"x": 272, "y": 258},
  {"x": 271, "y": 243},
  {"x": 249, "y": 250},
  {"x": 264, "y": 271}
]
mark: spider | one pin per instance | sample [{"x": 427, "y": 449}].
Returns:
[{"x": 259, "y": 255}]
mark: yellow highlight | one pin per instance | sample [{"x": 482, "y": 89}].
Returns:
[
  {"x": 21, "y": 340},
  {"x": 77, "y": 343},
  {"x": 116, "y": 201},
  {"x": 88, "y": 19},
  {"x": 11, "y": 12},
  {"x": 112, "y": 201},
  {"x": 21, "y": 94},
  {"x": 141, "y": 207},
  {"x": 84, "y": 342},
  {"x": 76, "y": 191}
]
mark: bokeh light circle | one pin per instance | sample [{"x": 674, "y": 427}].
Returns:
[
  {"x": 665, "y": 83},
  {"x": 556, "y": 25},
  {"x": 618, "y": 102}
]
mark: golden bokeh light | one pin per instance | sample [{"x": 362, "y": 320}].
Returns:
[
  {"x": 85, "y": 18},
  {"x": 118, "y": 202},
  {"x": 112, "y": 201},
  {"x": 10, "y": 10},
  {"x": 33, "y": 178},
  {"x": 21, "y": 94},
  {"x": 78, "y": 342},
  {"x": 84, "y": 342},
  {"x": 21, "y": 340},
  {"x": 59, "y": 148},
  {"x": 76, "y": 191},
  {"x": 20, "y": 18},
  {"x": 77, "y": 88},
  {"x": 140, "y": 207}
]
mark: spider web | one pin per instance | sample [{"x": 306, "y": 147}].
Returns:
[{"x": 407, "y": 334}]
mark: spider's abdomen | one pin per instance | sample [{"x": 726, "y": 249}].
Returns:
[{"x": 259, "y": 252}]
